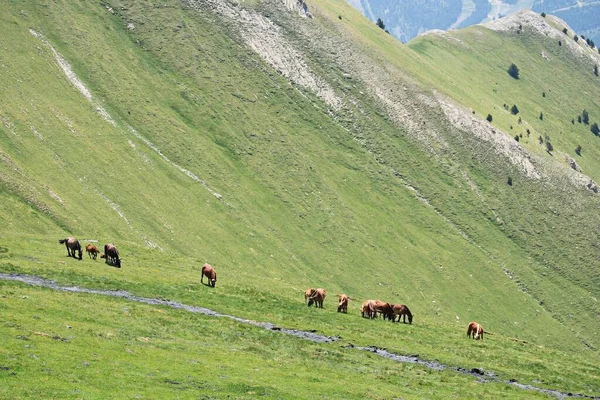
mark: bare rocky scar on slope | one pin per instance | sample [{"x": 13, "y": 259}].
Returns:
[{"x": 478, "y": 373}]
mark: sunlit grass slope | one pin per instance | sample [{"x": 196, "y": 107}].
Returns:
[{"x": 214, "y": 157}]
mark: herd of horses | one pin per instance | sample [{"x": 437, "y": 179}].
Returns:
[
  {"x": 111, "y": 254},
  {"x": 370, "y": 308}
]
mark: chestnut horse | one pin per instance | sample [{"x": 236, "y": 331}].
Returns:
[
  {"x": 71, "y": 244},
  {"x": 112, "y": 255},
  {"x": 209, "y": 272},
  {"x": 343, "y": 303},
  {"x": 307, "y": 294},
  {"x": 401, "y": 311},
  {"x": 317, "y": 297},
  {"x": 92, "y": 251},
  {"x": 475, "y": 330},
  {"x": 368, "y": 309},
  {"x": 384, "y": 309}
]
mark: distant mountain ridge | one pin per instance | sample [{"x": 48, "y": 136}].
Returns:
[{"x": 406, "y": 20}]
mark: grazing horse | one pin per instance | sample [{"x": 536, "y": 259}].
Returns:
[
  {"x": 92, "y": 251},
  {"x": 475, "y": 330},
  {"x": 307, "y": 294},
  {"x": 368, "y": 309},
  {"x": 401, "y": 311},
  {"x": 343, "y": 303},
  {"x": 317, "y": 297},
  {"x": 384, "y": 309},
  {"x": 112, "y": 255},
  {"x": 209, "y": 272},
  {"x": 71, "y": 244}
]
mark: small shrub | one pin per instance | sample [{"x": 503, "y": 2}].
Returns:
[
  {"x": 565, "y": 31},
  {"x": 340, "y": 17},
  {"x": 595, "y": 130},
  {"x": 596, "y": 69},
  {"x": 513, "y": 71},
  {"x": 549, "y": 146},
  {"x": 542, "y": 116},
  {"x": 489, "y": 117},
  {"x": 579, "y": 118},
  {"x": 514, "y": 109},
  {"x": 509, "y": 181},
  {"x": 517, "y": 138},
  {"x": 578, "y": 149},
  {"x": 380, "y": 23},
  {"x": 541, "y": 140},
  {"x": 573, "y": 121},
  {"x": 543, "y": 94},
  {"x": 543, "y": 15},
  {"x": 576, "y": 38},
  {"x": 559, "y": 43},
  {"x": 528, "y": 132},
  {"x": 585, "y": 117}
]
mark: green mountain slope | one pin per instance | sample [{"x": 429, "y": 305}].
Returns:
[{"x": 292, "y": 152}]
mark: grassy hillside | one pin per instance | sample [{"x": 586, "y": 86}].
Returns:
[{"x": 205, "y": 153}]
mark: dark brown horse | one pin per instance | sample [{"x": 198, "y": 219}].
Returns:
[
  {"x": 209, "y": 272},
  {"x": 92, "y": 251},
  {"x": 111, "y": 254},
  {"x": 401, "y": 311},
  {"x": 71, "y": 244},
  {"x": 343, "y": 303},
  {"x": 475, "y": 330},
  {"x": 318, "y": 297}
]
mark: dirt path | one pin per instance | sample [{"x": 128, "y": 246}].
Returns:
[{"x": 477, "y": 373}]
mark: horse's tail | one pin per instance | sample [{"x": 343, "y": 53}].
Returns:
[
  {"x": 488, "y": 333},
  {"x": 61, "y": 241}
]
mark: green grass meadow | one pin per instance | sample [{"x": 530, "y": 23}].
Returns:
[{"x": 213, "y": 156}]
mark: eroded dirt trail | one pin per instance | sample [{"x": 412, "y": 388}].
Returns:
[{"x": 312, "y": 336}]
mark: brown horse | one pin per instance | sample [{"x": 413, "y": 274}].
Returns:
[
  {"x": 385, "y": 309},
  {"x": 401, "y": 311},
  {"x": 317, "y": 297},
  {"x": 343, "y": 303},
  {"x": 209, "y": 272},
  {"x": 111, "y": 254},
  {"x": 92, "y": 251},
  {"x": 308, "y": 293},
  {"x": 71, "y": 244},
  {"x": 475, "y": 330},
  {"x": 368, "y": 309}
]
